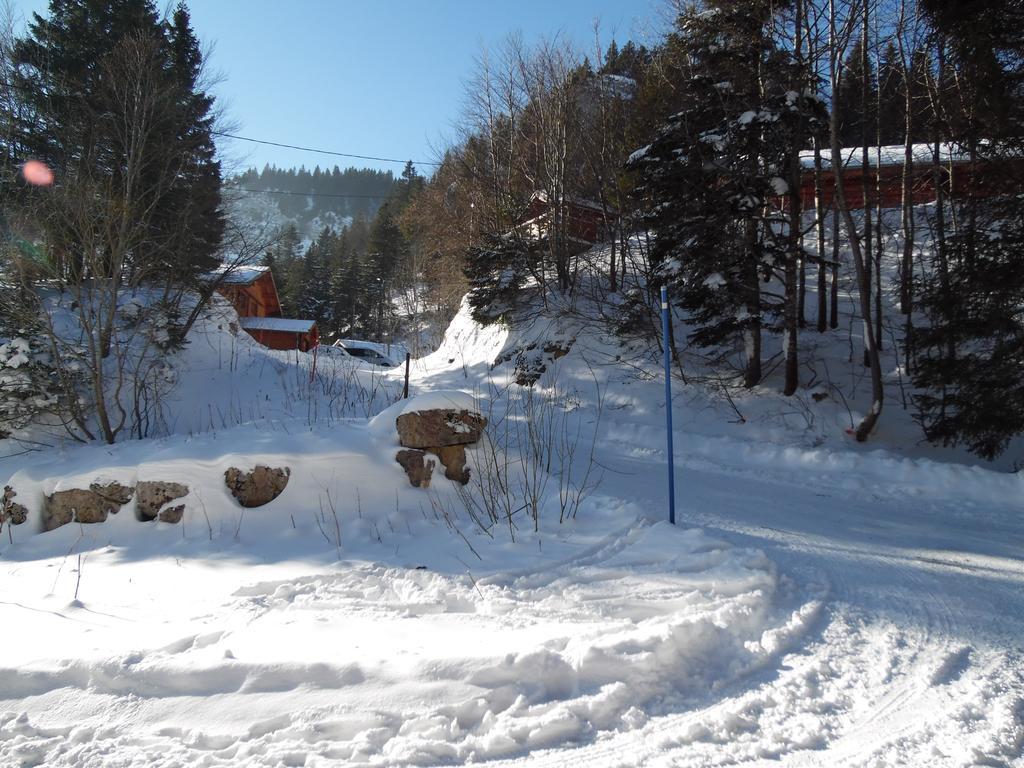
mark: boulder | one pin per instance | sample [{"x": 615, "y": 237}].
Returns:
[
  {"x": 439, "y": 428},
  {"x": 172, "y": 514},
  {"x": 558, "y": 349},
  {"x": 113, "y": 492},
  {"x": 258, "y": 486},
  {"x": 11, "y": 512},
  {"x": 417, "y": 467},
  {"x": 453, "y": 457},
  {"x": 152, "y": 495},
  {"x": 84, "y": 506}
]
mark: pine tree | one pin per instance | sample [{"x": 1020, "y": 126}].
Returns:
[
  {"x": 891, "y": 98},
  {"x": 287, "y": 267},
  {"x": 314, "y": 300},
  {"x": 496, "y": 270},
  {"x": 970, "y": 351},
  {"x": 341, "y": 288},
  {"x": 855, "y": 117},
  {"x": 191, "y": 210},
  {"x": 713, "y": 173},
  {"x": 90, "y": 74}
]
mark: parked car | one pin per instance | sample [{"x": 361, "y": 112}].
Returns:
[{"x": 366, "y": 354}]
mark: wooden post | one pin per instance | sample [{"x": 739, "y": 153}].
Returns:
[{"x": 405, "y": 392}]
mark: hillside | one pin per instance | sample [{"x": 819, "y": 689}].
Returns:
[
  {"x": 820, "y": 603},
  {"x": 309, "y": 200}
]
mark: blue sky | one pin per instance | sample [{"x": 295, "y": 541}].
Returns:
[{"x": 372, "y": 77}]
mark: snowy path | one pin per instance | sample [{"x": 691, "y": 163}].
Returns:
[{"x": 919, "y": 657}]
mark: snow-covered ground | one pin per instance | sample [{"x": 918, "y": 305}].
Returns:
[{"x": 819, "y": 604}]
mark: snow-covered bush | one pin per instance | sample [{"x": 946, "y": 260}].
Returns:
[
  {"x": 496, "y": 270},
  {"x": 29, "y": 381}
]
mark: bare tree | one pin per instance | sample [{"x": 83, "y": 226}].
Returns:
[{"x": 838, "y": 35}]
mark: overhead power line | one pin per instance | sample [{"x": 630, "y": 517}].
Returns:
[{"x": 322, "y": 151}]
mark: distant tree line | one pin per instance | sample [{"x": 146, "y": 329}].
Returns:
[
  {"x": 311, "y": 194},
  {"x": 352, "y": 280}
]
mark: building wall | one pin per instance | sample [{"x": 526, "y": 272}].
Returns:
[
  {"x": 303, "y": 342},
  {"x": 258, "y": 299},
  {"x": 966, "y": 180},
  {"x": 582, "y": 222}
]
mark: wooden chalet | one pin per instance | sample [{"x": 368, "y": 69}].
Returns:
[
  {"x": 282, "y": 332},
  {"x": 587, "y": 222},
  {"x": 253, "y": 294},
  {"x": 958, "y": 173}
]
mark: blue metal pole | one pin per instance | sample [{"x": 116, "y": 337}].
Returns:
[{"x": 668, "y": 407}]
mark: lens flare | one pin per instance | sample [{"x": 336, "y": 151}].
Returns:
[{"x": 37, "y": 173}]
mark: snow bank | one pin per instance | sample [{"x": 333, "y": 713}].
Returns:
[
  {"x": 260, "y": 650},
  {"x": 223, "y": 378},
  {"x": 447, "y": 399}
]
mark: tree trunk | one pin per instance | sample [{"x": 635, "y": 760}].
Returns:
[
  {"x": 867, "y": 425},
  {"x": 864, "y": 177},
  {"x": 752, "y": 372},
  {"x": 833, "y": 319},
  {"x": 819, "y": 227},
  {"x": 795, "y": 267},
  {"x": 907, "y": 261}
]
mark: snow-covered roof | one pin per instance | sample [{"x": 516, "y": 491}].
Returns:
[
  {"x": 884, "y": 156},
  {"x": 288, "y": 325},
  {"x": 579, "y": 202},
  {"x": 534, "y": 229},
  {"x": 237, "y": 275}
]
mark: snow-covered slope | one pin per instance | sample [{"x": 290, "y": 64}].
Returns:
[
  {"x": 260, "y": 211},
  {"x": 819, "y": 604}
]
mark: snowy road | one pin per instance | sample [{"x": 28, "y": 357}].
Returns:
[{"x": 919, "y": 654}]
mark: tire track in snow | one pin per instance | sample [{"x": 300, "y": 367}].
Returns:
[{"x": 931, "y": 629}]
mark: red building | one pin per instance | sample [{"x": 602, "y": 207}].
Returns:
[
  {"x": 282, "y": 332},
  {"x": 253, "y": 294},
  {"x": 586, "y": 222},
  {"x": 885, "y": 168}
]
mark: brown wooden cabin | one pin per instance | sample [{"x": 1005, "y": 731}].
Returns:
[
  {"x": 587, "y": 222},
  {"x": 282, "y": 332},
  {"x": 253, "y": 293},
  {"x": 887, "y": 163}
]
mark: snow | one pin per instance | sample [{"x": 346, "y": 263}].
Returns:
[
  {"x": 821, "y": 602},
  {"x": 714, "y": 281},
  {"x": 228, "y": 630},
  {"x": 287, "y": 325},
  {"x": 922, "y": 154},
  {"x": 619, "y": 86},
  {"x": 451, "y": 399},
  {"x": 15, "y": 353},
  {"x": 779, "y": 185},
  {"x": 238, "y": 275},
  {"x": 638, "y": 155}
]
